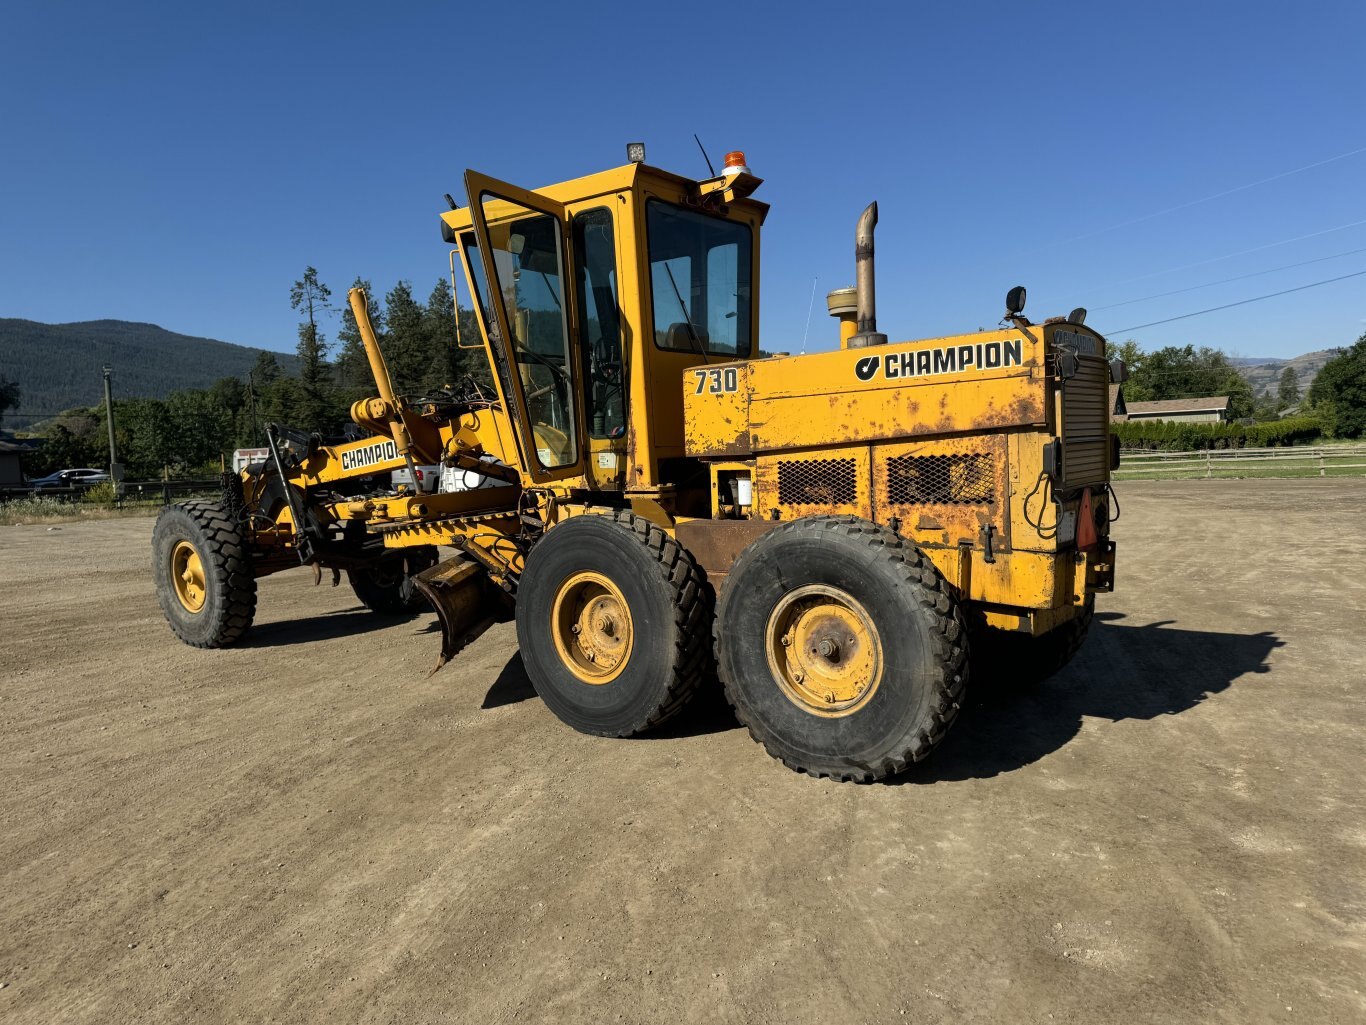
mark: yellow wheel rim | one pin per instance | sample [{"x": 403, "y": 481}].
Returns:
[
  {"x": 824, "y": 651},
  {"x": 187, "y": 574},
  {"x": 592, "y": 628}
]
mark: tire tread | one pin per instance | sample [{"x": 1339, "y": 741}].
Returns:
[
  {"x": 227, "y": 559},
  {"x": 935, "y": 603}
]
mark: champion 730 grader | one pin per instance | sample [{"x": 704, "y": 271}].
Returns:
[{"x": 838, "y": 535}]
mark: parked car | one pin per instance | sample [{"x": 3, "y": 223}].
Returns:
[{"x": 84, "y": 477}]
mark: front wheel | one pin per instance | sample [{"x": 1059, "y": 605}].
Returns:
[
  {"x": 386, "y": 586},
  {"x": 203, "y": 575},
  {"x": 841, "y": 648}
]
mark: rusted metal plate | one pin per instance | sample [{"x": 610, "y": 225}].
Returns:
[
  {"x": 716, "y": 410},
  {"x": 716, "y": 544},
  {"x": 967, "y": 383}
]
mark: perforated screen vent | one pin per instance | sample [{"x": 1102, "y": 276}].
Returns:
[
  {"x": 941, "y": 480},
  {"x": 817, "y": 482}
]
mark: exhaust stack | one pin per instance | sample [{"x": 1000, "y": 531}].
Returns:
[{"x": 867, "y": 333}]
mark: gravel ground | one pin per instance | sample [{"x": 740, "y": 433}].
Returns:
[{"x": 308, "y": 828}]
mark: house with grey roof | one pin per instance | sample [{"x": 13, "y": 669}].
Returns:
[{"x": 1211, "y": 409}]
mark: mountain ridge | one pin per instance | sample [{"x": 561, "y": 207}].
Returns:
[{"x": 58, "y": 366}]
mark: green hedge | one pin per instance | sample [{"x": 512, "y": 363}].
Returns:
[{"x": 1185, "y": 437}]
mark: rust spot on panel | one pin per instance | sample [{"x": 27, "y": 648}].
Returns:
[{"x": 633, "y": 471}]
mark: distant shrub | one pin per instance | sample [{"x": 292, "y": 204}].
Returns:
[
  {"x": 1173, "y": 436},
  {"x": 102, "y": 495}
]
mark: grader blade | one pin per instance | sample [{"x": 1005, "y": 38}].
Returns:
[{"x": 465, "y": 603}]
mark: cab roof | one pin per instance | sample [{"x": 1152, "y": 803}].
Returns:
[{"x": 625, "y": 178}]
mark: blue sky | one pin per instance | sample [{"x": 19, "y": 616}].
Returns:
[{"x": 182, "y": 163}]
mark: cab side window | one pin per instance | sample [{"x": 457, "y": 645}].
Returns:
[{"x": 600, "y": 323}]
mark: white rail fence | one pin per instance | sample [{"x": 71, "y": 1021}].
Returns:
[{"x": 1259, "y": 462}]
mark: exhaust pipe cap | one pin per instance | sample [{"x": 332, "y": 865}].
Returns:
[{"x": 866, "y": 339}]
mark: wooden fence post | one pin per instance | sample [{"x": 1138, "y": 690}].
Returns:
[{"x": 1209, "y": 464}]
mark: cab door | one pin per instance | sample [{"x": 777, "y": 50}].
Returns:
[{"x": 525, "y": 301}]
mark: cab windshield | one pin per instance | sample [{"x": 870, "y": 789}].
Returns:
[{"x": 699, "y": 280}]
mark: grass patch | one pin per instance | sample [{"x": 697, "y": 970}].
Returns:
[{"x": 52, "y": 510}]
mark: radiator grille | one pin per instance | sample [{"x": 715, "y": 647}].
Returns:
[
  {"x": 941, "y": 480},
  {"x": 1086, "y": 423},
  {"x": 817, "y": 482}
]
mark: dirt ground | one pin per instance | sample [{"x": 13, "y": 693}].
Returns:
[{"x": 308, "y": 828}]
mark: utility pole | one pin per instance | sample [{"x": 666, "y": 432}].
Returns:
[
  {"x": 115, "y": 468},
  {"x": 251, "y": 399}
]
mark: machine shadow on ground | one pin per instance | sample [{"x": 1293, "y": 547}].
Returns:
[
  {"x": 1123, "y": 672},
  {"x": 333, "y": 625},
  {"x": 708, "y": 711}
]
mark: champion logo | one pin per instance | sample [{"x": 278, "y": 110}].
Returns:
[
  {"x": 949, "y": 359},
  {"x": 368, "y": 455},
  {"x": 866, "y": 368}
]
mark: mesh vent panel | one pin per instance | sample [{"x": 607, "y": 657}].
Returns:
[
  {"x": 941, "y": 480},
  {"x": 817, "y": 482}
]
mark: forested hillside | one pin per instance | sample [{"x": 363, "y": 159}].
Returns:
[
  {"x": 164, "y": 427},
  {"x": 58, "y": 366},
  {"x": 1265, "y": 375}
]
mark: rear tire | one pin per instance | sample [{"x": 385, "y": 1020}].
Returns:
[
  {"x": 614, "y": 623},
  {"x": 203, "y": 574},
  {"x": 387, "y": 587},
  {"x": 841, "y": 648}
]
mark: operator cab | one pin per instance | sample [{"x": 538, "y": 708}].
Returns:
[{"x": 597, "y": 293}]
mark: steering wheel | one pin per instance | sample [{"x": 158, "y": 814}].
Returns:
[{"x": 560, "y": 373}]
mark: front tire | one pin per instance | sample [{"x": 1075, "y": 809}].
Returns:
[
  {"x": 203, "y": 575},
  {"x": 614, "y": 623},
  {"x": 387, "y": 587},
  {"x": 841, "y": 648}
]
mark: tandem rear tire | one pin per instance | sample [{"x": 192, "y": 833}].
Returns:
[
  {"x": 1003, "y": 659},
  {"x": 614, "y": 623},
  {"x": 203, "y": 574},
  {"x": 841, "y": 648},
  {"x": 387, "y": 586}
]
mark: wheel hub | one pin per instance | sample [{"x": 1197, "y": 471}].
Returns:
[
  {"x": 824, "y": 650},
  {"x": 187, "y": 575},
  {"x": 592, "y": 628}
]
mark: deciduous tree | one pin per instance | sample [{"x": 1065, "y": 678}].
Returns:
[{"x": 1339, "y": 390}]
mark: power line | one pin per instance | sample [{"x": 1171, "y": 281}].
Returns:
[
  {"x": 1243, "y": 252},
  {"x": 1206, "y": 199},
  {"x": 1241, "y": 302},
  {"x": 1225, "y": 281}
]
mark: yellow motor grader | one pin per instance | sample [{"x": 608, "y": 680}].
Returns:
[{"x": 839, "y": 536}]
